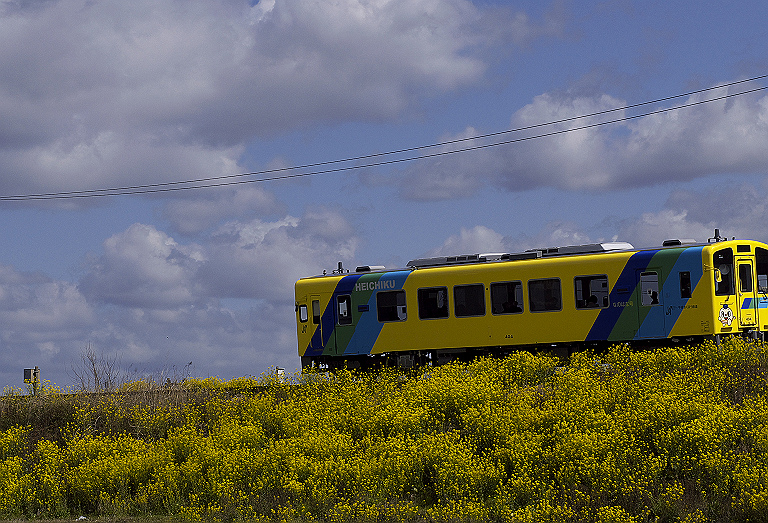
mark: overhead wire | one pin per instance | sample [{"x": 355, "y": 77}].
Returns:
[{"x": 290, "y": 172}]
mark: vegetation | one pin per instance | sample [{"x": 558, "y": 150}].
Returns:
[{"x": 675, "y": 434}]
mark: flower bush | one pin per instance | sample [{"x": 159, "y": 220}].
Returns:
[{"x": 672, "y": 434}]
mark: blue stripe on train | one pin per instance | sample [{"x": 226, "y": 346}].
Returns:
[
  {"x": 688, "y": 261},
  {"x": 621, "y": 293},
  {"x": 762, "y": 303},
  {"x": 368, "y": 327},
  {"x": 327, "y": 320}
]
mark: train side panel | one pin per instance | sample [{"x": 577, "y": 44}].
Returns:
[{"x": 643, "y": 295}]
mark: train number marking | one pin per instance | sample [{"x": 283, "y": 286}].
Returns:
[{"x": 622, "y": 303}]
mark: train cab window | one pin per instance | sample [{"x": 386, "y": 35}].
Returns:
[
  {"x": 591, "y": 291},
  {"x": 469, "y": 300},
  {"x": 723, "y": 261},
  {"x": 745, "y": 277},
  {"x": 433, "y": 302},
  {"x": 344, "y": 304},
  {"x": 303, "y": 313},
  {"x": 761, "y": 264},
  {"x": 390, "y": 306},
  {"x": 685, "y": 284},
  {"x": 545, "y": 295},
  {"x": 649, "y": 289},
  {"x": 507, "y": 297},
  {"x": 316, "y": 312}
]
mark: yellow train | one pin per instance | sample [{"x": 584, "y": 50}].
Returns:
[{"x": 561, "y": 299}]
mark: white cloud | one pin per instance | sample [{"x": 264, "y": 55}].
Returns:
[
  {"x": 217, "y": 340},
  {"x": 651, "y": 229},
  {"x": 738, "y": 210},
  {"x": 152, "y": 91},
  {"x": 144, "y": 267},
  {"x": 718, "y": 137},
  {"x": 452, "y": 175},
  {"x": 34, "y": 306},
  {"x": 263, "y": 260},
  {"x": 41, "y": 320},
  {"x": 479, "y": 239},
  {"x": 153, "y": 303},
  {"x": 196, "y": 214}
]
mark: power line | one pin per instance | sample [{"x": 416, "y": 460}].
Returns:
[{"x": 290, "y": 172}]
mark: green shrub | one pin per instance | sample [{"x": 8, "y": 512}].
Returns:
[{"x": 671, "y": 434}]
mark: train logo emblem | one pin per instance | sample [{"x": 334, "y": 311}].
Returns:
[{"x": 725, "y": 316}]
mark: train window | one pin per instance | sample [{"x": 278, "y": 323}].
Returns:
[
  {"x": 433, "y": 302},
  {"x": 723, "y": 261},
  {"x": 469, "y": 300},
  {"x": 761, "y": 264},
  {"x": 545, "y": 295},
  {"x": 303, "y": 313},
  {"x": 316, "y": 312},
  {"x": 507, "y": 297},
  {"x": 649, "y": 289},
  {"x": 390, "y": 306},
  {"x": 745, "y": 277},
  {"x": 345, "y": 309},
  {"x": 685, "y": 284},
  {"x": 591, "y": 291}
]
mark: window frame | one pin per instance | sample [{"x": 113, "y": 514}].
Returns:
[
  {"x": 534, "y": 295},
  {"x": 646, "y": 284},
  {"x": 396, "y": 306},
  {"x": 686, "y": 286},
  {"x": 303, "y": 313},
  {"x": 582, "y": 302},
  {"x": 316, "y": 312},
  {"x": 474, "y": 313},
  {"x": 423, "y": 309},
  {"x": 516, "y": 285},
  {"x": 745, "y": 278},
  {"x": 726, "y": 286},
  {"x": 345, "y": 319}
]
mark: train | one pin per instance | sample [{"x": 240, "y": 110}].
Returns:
[{"x": 558, "y": 299}]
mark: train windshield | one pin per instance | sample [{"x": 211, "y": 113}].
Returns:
[
  {"x": 723, "y": 260},
  {"x": 761, "y": 258}
]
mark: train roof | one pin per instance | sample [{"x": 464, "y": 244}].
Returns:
[{"x": 531, "y": 254}]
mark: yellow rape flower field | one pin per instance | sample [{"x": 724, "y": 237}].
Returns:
[{"x": 673, "y": 434}]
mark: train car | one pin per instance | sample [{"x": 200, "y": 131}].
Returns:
[{"x": 557, "y": 299}]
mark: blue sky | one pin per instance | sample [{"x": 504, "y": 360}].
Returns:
[{"x": 111, "y": 94}]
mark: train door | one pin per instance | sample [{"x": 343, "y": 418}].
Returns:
[
  {"x": 747, "y": 298},
  {"x": 344, "y": 328},
  {"x": 316, "y": 343},
  {"x": 651, "y": 305}
]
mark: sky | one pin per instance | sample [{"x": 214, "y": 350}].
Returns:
[{"x": 100, "y": 94}]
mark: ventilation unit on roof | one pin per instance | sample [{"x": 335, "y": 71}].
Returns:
[
  {"x": 454, "y": 260},
  {"x": 527, "y": 255},
  {"x": 587, "y": 248},
  {"x": 369, "y": 268},
  {"x": 675, "y": 242}
]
